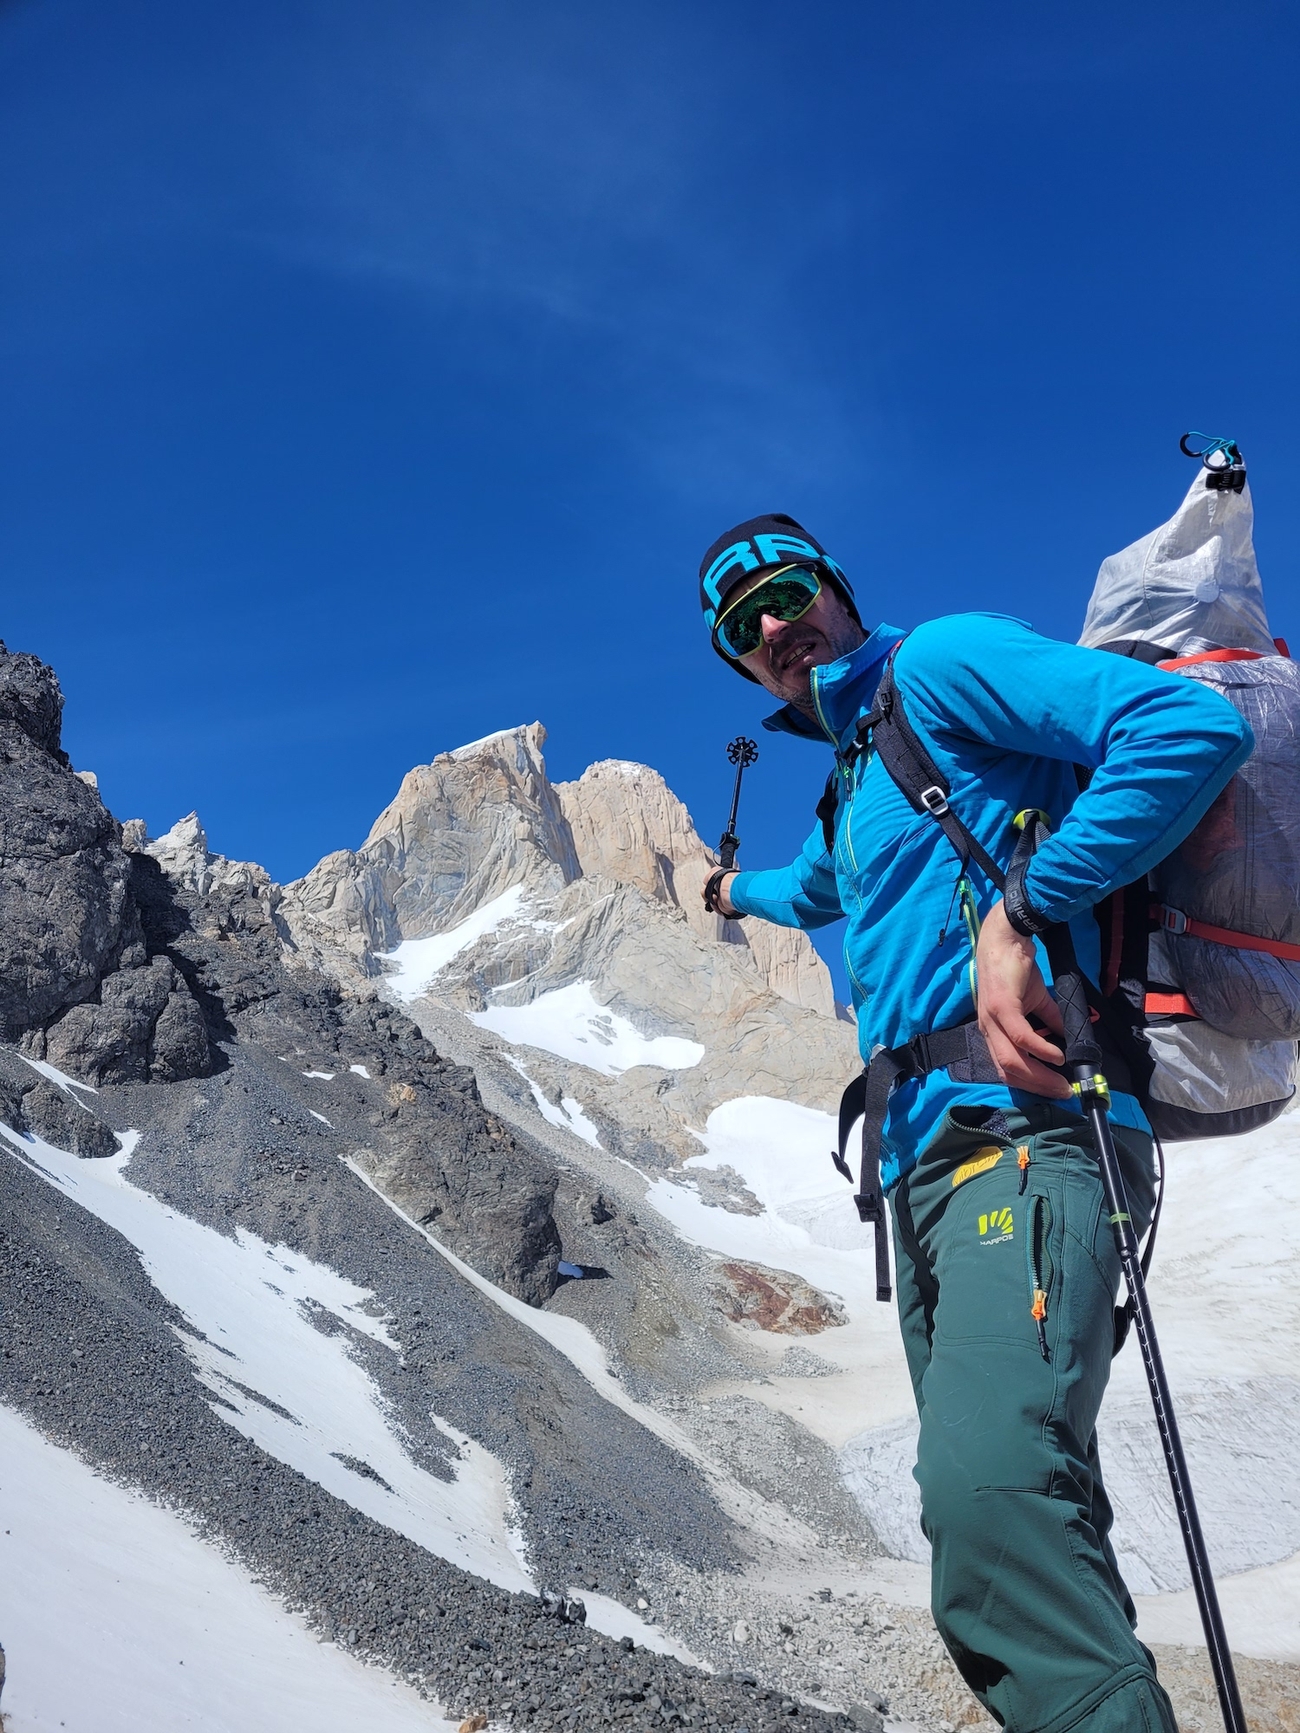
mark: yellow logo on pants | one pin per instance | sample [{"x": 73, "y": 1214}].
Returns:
[
  {"x": 995, "y": 1228},
  {"x": 980, "y": 1162}
]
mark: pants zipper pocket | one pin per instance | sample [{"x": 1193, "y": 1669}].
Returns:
[{"x": 1040, "y": 1260}]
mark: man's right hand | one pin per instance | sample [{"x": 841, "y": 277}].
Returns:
[
  {"x": 722, "y": 900},
  {"x": 1011, "y": 990}
]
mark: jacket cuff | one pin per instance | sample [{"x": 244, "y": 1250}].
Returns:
[{"x": 738, "y": 883}]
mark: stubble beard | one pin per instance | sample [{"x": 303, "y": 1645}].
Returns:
[{"x": 842, "y": 642}]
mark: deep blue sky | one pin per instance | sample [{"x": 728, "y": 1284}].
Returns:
[{"x": 374, "y": 374}]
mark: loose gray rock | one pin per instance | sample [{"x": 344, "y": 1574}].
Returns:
[{"x": 866, "y": 1719}]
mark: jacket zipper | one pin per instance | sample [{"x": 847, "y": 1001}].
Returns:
[{"x": 849, "y": 790}]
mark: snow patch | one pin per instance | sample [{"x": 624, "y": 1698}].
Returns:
[
  {"x": 250, "y": 1306},
  {"x": 117, "y": 1617},
  {"x": 578, "y": 1121},
  {"x": 325, "y": 1076},
  {"x": 484, "y": 740},
  {"x": 360, "y": 1071},
  {"x": 319, "y": 1116},
  {"x": 55, "y": 1075},
  {"x": 569, "y": 1022},
  {"x": 782, "y": 1153},
  {"x": 569, "y": 1115},
  {"x": 417, "y": 961},
  {"x": 1259, "y": 1610},
  {"x": 612, "y": 1619}
]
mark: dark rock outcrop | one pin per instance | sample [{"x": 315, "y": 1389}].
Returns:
[
  {"x": 417, "y": 1125},
  {"x": 66, "y": 913},
  {"x": 77, "y": 983},
  {"x": 145, "y": 1028},
  {"x": 454, "y": 1168}
]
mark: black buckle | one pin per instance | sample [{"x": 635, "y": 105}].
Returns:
[{"x": 870, "y": 1209}]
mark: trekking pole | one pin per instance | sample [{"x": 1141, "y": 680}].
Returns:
[
  {"x": 742, "y": 753},
  {"x": 1083, "y": 1066}
]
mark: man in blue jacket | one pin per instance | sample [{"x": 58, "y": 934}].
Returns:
[{"x": 1005, "y": 1262}]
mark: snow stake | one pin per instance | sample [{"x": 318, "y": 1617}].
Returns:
[{"x": 742, "y": 753}]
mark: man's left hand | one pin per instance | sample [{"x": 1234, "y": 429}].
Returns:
[{"x": 1011, "y": 990}]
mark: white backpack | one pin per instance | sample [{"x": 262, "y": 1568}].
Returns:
[{"x": 1214, "y": 985}]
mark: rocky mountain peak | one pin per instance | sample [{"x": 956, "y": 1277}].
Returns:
[
  {"x": 459, "y": 832},
  {"x": 184, "y": 855},
  {"x": 628, "y": 825},
  {"x": 31, "y": 700}
]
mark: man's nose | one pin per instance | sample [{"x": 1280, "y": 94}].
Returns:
[{"x": 771, "y": 628}]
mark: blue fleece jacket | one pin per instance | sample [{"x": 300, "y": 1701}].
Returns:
[{"x": 1006, "y": 715}]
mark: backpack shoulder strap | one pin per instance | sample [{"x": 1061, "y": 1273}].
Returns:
[{"x": 904, "y": 755}]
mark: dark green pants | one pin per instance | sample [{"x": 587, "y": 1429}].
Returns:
[{"x": 1026, "y": 1591}]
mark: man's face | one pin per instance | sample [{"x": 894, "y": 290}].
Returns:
[{"x": 791, "y": 649}]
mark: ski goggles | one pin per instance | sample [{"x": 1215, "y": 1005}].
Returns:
[{"x": 787, "y": 595}]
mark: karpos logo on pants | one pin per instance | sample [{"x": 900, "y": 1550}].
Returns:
[{"x": 997, "y": 1227}]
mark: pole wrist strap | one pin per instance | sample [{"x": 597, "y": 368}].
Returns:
[{"x": 712, "y": 890}]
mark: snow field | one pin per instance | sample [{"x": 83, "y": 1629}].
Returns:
[
  {"x": 251, "y": 1305},
  {"x": 808, "y": 1226},
  {"x": 567, "y": 1021},
  {"x": 88, "y": 1570}
]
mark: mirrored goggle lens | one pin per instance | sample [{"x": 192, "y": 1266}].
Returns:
[{"x": 785, "y": 597}]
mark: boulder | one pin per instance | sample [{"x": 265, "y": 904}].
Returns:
[
  {"x": 457, "y": 1171},
  {"x": 775, "y": 1300},
  {"x": 146, "y": 1027}
]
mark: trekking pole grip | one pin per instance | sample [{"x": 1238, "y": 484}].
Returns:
[{"x": 1081, "y": 1045}]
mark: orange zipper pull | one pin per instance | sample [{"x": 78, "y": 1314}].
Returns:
[
  {"x": 1022, "y": 1162},
  {"x": 1038, "y": 1312}
]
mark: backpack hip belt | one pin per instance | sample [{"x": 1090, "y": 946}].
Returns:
[{"x": 961, "y": 1052}]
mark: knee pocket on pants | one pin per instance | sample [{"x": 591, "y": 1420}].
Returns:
[{"x": 983, "y": 1429}]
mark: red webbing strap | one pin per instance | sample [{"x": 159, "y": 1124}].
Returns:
[
  {"x": 1224, "y": 936},
  {"x": 1169, "y": 1005},
  {"x": 1115, "y": 954},
  {"x": 1210, "y": 656}
]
